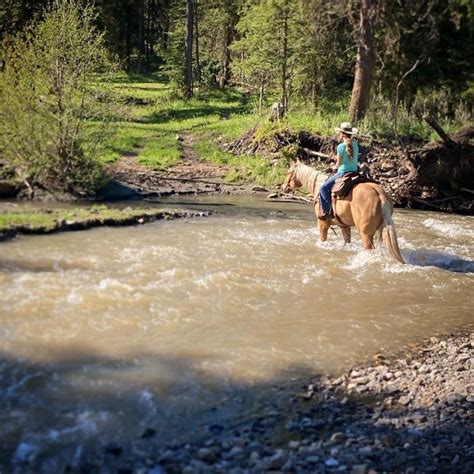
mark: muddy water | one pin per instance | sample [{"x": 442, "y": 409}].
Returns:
[{"x": 188, "y": 325}]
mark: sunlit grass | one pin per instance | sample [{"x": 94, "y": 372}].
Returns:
[
  {"x": 30, "y": 219},
  {"x": 243, "y": 169},
  {"x": 155, "y": 116},
  {"x": 49, "y": 219}
]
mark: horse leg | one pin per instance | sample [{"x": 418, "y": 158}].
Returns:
[
  {"x": 346, "y": 233},
  {"x": 323, "y": 229},
  {"x": 367, "y": 241}
]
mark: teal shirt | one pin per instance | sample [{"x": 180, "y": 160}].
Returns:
[{"x": 348, "y": 164}]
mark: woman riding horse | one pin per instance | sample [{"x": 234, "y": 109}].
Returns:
[
  {"x": 367, "y": 206},
  {"x": 347, "y": 161}
]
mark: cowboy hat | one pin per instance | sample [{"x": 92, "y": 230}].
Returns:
[{"x": 347, "y": 128}]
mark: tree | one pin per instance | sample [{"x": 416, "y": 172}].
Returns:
[
  {"x": 364, "y": 62},
  {"x": 269, "y": 32},
  {"x": 188, "y": 55},
  {"x": 52, "y": 116},
  {"x": 229, "y": 22}
]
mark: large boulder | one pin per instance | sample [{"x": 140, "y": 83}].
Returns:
[
  {"x": 116, "y": 191},
  {"x": 9, "y": 189}
]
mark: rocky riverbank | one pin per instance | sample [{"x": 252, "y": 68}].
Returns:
[{"x": 408, "y": 414}]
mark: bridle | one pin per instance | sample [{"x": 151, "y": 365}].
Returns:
[{"x": 291, "y": 176}]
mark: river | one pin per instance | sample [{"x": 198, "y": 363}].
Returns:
[{"x": 187, "y": 325}]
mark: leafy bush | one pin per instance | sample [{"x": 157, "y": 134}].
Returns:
[{"x": 53, "y": 117}]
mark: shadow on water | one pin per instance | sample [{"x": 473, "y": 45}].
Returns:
[
  {"x": 55, "y": 417},
  {"x": 442, "y": 260}
]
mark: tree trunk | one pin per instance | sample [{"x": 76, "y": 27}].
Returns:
[
  {"x": 188, "y": 59},
  {"x": 149, "y": 39},
  {"x": 198, "y": 65},
  {"x": 224, "y": 75},
  {"x": 228, "y": 36},
  {"x": 128, "y": 48},
  {"x": 141, "y": 35},
  {"x": 364, "y": 62},
  {"x": 284, "y": 66}
]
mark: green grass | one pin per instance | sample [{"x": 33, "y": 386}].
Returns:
[
  {"x": 31, "y": 219},
  {"x": 244, "y": 169},
  {"x": 150, "y": 128},
  {"x": 155, "y": 117},
  {"x": 47, "y": 219}
]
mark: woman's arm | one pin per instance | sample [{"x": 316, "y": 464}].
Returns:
[{"x": 338, "y": 162}]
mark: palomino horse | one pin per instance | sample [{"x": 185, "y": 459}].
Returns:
[{"x": 367, "y": 207}]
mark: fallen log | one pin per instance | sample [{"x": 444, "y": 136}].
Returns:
[
  {"x": 426, "y": 203},
  {"x": 437, "y": 127},
  {"x": 286, "y": 197},
  {"x": 451, "y": 198},
  {"x": 318, "y": 154}
]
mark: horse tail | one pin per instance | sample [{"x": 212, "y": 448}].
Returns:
[{"x": 387, "y": 227}]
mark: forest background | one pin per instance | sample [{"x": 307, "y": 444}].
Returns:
[{"x": 152, "y": 68}]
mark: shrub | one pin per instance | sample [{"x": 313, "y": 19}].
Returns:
[{"x": 52, "y": 116}]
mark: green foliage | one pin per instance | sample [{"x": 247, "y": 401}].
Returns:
[
  {"x": 49, "y": 101},
  {"x": 288, "y": 153},
  {"x": 243, "y": 169}
]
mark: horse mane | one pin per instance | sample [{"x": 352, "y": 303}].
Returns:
[{"x": 310, "y": 178}]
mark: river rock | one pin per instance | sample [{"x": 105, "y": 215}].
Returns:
[
  {"x": 337, "y": 437},
  {"x": 207, "y": 455},
  {"x": 331, "y": 462},
  {"x": 156, "y": 470},
  {"x": 359, "y": 469},
  {"x": 274, "y": 462},
  {"x": 26, "y": 452},
  {"x": 9, "y": 189},
  {"x": 115, "y": 191}
]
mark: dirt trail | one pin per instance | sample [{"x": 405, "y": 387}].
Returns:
[{"x": 190, "y": 175}]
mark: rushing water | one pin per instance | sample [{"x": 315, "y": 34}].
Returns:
[{"x": 178, "y": 325}]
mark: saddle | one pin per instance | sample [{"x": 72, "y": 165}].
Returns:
[{"x": 342, "y": 187}]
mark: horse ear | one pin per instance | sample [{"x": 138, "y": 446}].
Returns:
[{"x": 294, "y": 161}]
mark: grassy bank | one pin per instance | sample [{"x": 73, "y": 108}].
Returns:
[{"x": 47, "y": 221}]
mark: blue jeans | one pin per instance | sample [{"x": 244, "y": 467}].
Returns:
[{"x": 325, "y": 192}]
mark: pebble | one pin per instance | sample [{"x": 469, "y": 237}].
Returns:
[
  {"x": 337, "y": 437},
  {"x": 276, "y": 461},
  {"x": 365, "y": 451},
  {"x": 359, "y": 469},
  {"x": 294, "y": 444},
  {"x": 207, "y": 455},
  {"x": 156, "y": 470},
  {"x": 331, "y": 462}
]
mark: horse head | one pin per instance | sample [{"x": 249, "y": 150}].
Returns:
[{"x": 291, "y": 181}]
